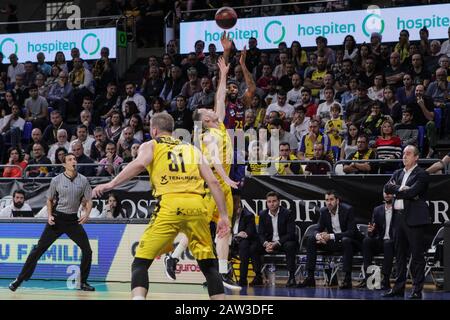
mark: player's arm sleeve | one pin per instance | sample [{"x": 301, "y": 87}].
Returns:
[{"x": 51, "y": 190}]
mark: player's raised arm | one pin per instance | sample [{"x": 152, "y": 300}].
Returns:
[
  {"x": 251, "y": 87},
  {"x": 219, "y": 105},
  {"x": 144, "y": 158},
  {"x": 227, "y": 46}
]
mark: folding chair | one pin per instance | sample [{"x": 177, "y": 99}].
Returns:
[{"x": 433, "y": 257}]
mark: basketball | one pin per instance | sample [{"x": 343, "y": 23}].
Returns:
[{"x": 226, "y": 17}]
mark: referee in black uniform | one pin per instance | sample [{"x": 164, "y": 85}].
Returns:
[{"x": 68, "y": 189}]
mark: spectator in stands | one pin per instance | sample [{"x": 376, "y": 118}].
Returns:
[
  {"x": 266, "y": 77},
  {"x": 203, "y": 98},
  {"x": 36, "y": 137},
  {"x": 14, "y": 69},
  {"x": 423, "y": 110},
  {"x": 75, "y": 54},
  {"x": 39, "y": 158},
  {"x": 18, "y": 204},
  {"x": 11, "y": 128},
  {"x": 153, "y": 84},
  {"x": 211, "y": 60},
  {"x": 2, "y": 95},
  {"x": 395, "y": 72},
  {"x": 402, "y": 47},
  {"x": 172, "y": 50},
  {"x": 138, "y": 128},
  {"x": 363, "y": 153},
  {"x": 380, "y": 239},
  {"x": 335, "y": 128},
  {"x": 86, "y": 119},
  {"x": 343, "y": 78},
  {"x": 298, "y": 57},
  {"x": 106, "y": 103},
  {"x": 350, "y": 94},
  {"x": 308, "y": 103},
  {"x": 124, "y": 144},
  {"x": 300, "y": 123},
  {"x": 445, "y": 47},
  {"x": 103, "y": 71},
  {"x": 43, "y": 89},
  {"x": 29, "y": 77},
  {"x": 280, "y": 136},
  {"x": 20, "y": 90},
  {"x": 60, "y": 94},
  {"x": 134, "y": 154},
  {"x": 3, "y": 69},
  {"x": 439, "y": 167},
  {"x": 419, "y": 73},
  {"x": 56, "y": 123},
  {"x": 336, "y": 231},
  {"x": 319, "y": 167},
  {"x": 259, "y": 109},
  {"x": 371, "y": 124},
  {"x": 388, "y": 146},
  {"x": 376, "y": 92},
  {"x": 406, "y": 130},
  {"x": 98, "y": 148},
  {"x": 406, "y": 94},
  {"x": 439, "y": 90},
  {"x": 132, "y": 95},
  {"x": 37, "y": 109},
  {"x": 432, "y": 61},
  {"x": 86, "y": 170},
  {"x": 249, "y": 122},
  {"x": 306, "y": 145},
  {"x": 172, "y": 87},
  {"x": 324, "y": 51},
  {"x": 182, "y": 115},
  {"x": 58, "y": 158},
  {"x": 367, "y": 76},
  {"x": 114, "y": 127},
  {"x": 113, "y": 208},
  {"x": 323, "y": 110},
  {"x": 84, "y": 139},
  {"x": 110, "y": 162},
  {"x": 245, "y": 244},
  {"x": 285, "y": 109},
  {"x": 60, "y": 62},
  {"x": 17, "y": 163},
  {"x": 285, "y": 154},
  {"x": 193, "y": 85},
  {"x": 359, "y": 107},
  {"x": 294, "y": 96},
  {"x": 156, "y": 106},
  {"x": 314, "y": 79},
  {"x": 391, "y": 107},
  {"x": 349, "y": 145},
  {"x": 81, "y": 80},
  {"x": 285, "y": 82},
  {"x": 62, "y": 141},
  {"x": 192, "y": 60},
  {"x": 363, "y": 54},
  {"x": 41, "y": 66},
  {"x": 277, "y": 233}
]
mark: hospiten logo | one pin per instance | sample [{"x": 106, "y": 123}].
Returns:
[
  {"x": 6, "y": 40},
  {"x": 373, "y": 21},
  {"x": 272, "y": 29},
  {"x": 85, "y": 44}
]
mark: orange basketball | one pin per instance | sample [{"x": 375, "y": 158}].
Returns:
[{"x": 226, "y": 17}]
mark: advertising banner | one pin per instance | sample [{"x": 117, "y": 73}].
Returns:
[
  {"x": 89, "y": 41},
  {"x": 270, "y": 31}
]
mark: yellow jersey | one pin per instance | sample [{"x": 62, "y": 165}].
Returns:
[
  {"x": 222, "y": 147},
  {"x": 175, "y": 168},
  {"x": 335, "y": 138}
]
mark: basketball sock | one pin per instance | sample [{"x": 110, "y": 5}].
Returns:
[
  {"x": 223, "y": 266},
  {"x": 181, "y": 247}
]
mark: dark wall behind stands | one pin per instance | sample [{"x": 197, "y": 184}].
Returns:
[{"x": 304, "y": 195}]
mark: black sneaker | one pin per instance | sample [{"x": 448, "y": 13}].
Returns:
[
  {"x": 229, "y": 283},
  {"x": 86, "y": 287},
  {"x": 170, "y": 265},
  {"x": 14, "y": 285}
]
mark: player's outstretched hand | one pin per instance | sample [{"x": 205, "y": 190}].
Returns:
[
  {"x": 223, "y": 67},
  {"x": 226, "y": 42},
  {"x": 83, "y": 219},
  {"x": 101, "y": 189},
  {"x": 51, "y": 220},
  {"x": 243, "y": 56},
  {"x": 223, "y": 227},
  {"x": 232, "y": 183}
]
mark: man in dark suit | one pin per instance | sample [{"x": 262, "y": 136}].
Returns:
[
  {"x": 245, "y": 243},
  {"x": 409, "y": 186},
  {"x": 336, "y": 232},
  {"x": 380, "y": 239},
  {"x": 277, "y": 233}
]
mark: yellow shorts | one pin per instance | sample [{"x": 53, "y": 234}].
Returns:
[
  {"x": 213, "y": 212},
  {"x": 176, "y": 213}
]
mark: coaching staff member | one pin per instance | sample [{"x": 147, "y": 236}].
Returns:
[
  {"x": 68, "y": 189},
  {"x": 409, "y": 185}
]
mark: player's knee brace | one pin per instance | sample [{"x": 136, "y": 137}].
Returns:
[
  {"x": 139, "y": 273},
  {"x": 210, "y": 271}
]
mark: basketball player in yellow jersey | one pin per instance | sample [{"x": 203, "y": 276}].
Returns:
[
  {"x": 178, "y": 172},
  {"x": 218, "y": 149}
]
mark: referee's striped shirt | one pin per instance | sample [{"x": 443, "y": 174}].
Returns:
[{"x": 69, "y": 192}]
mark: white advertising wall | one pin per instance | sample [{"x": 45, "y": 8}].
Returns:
[
  {"x": 27, "y": 45},
  {"x": 270, "y": 31}
]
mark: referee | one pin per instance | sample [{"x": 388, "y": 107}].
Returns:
[{"x": 67, "y": 189}]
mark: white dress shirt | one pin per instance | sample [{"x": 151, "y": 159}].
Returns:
[
  {"x": 388, "y": 216},
  {"x": 275, "y": 236},
  {"x": 399, "y": 204}
]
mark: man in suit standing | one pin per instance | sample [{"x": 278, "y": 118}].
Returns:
[
  {"x": 336, "y": 232},
  {"x": 409, "y": 186},
  {"x": 245, "y": 243},
  {"x": 277, "y": 233},
  {"x": 380, "y": 239}
]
